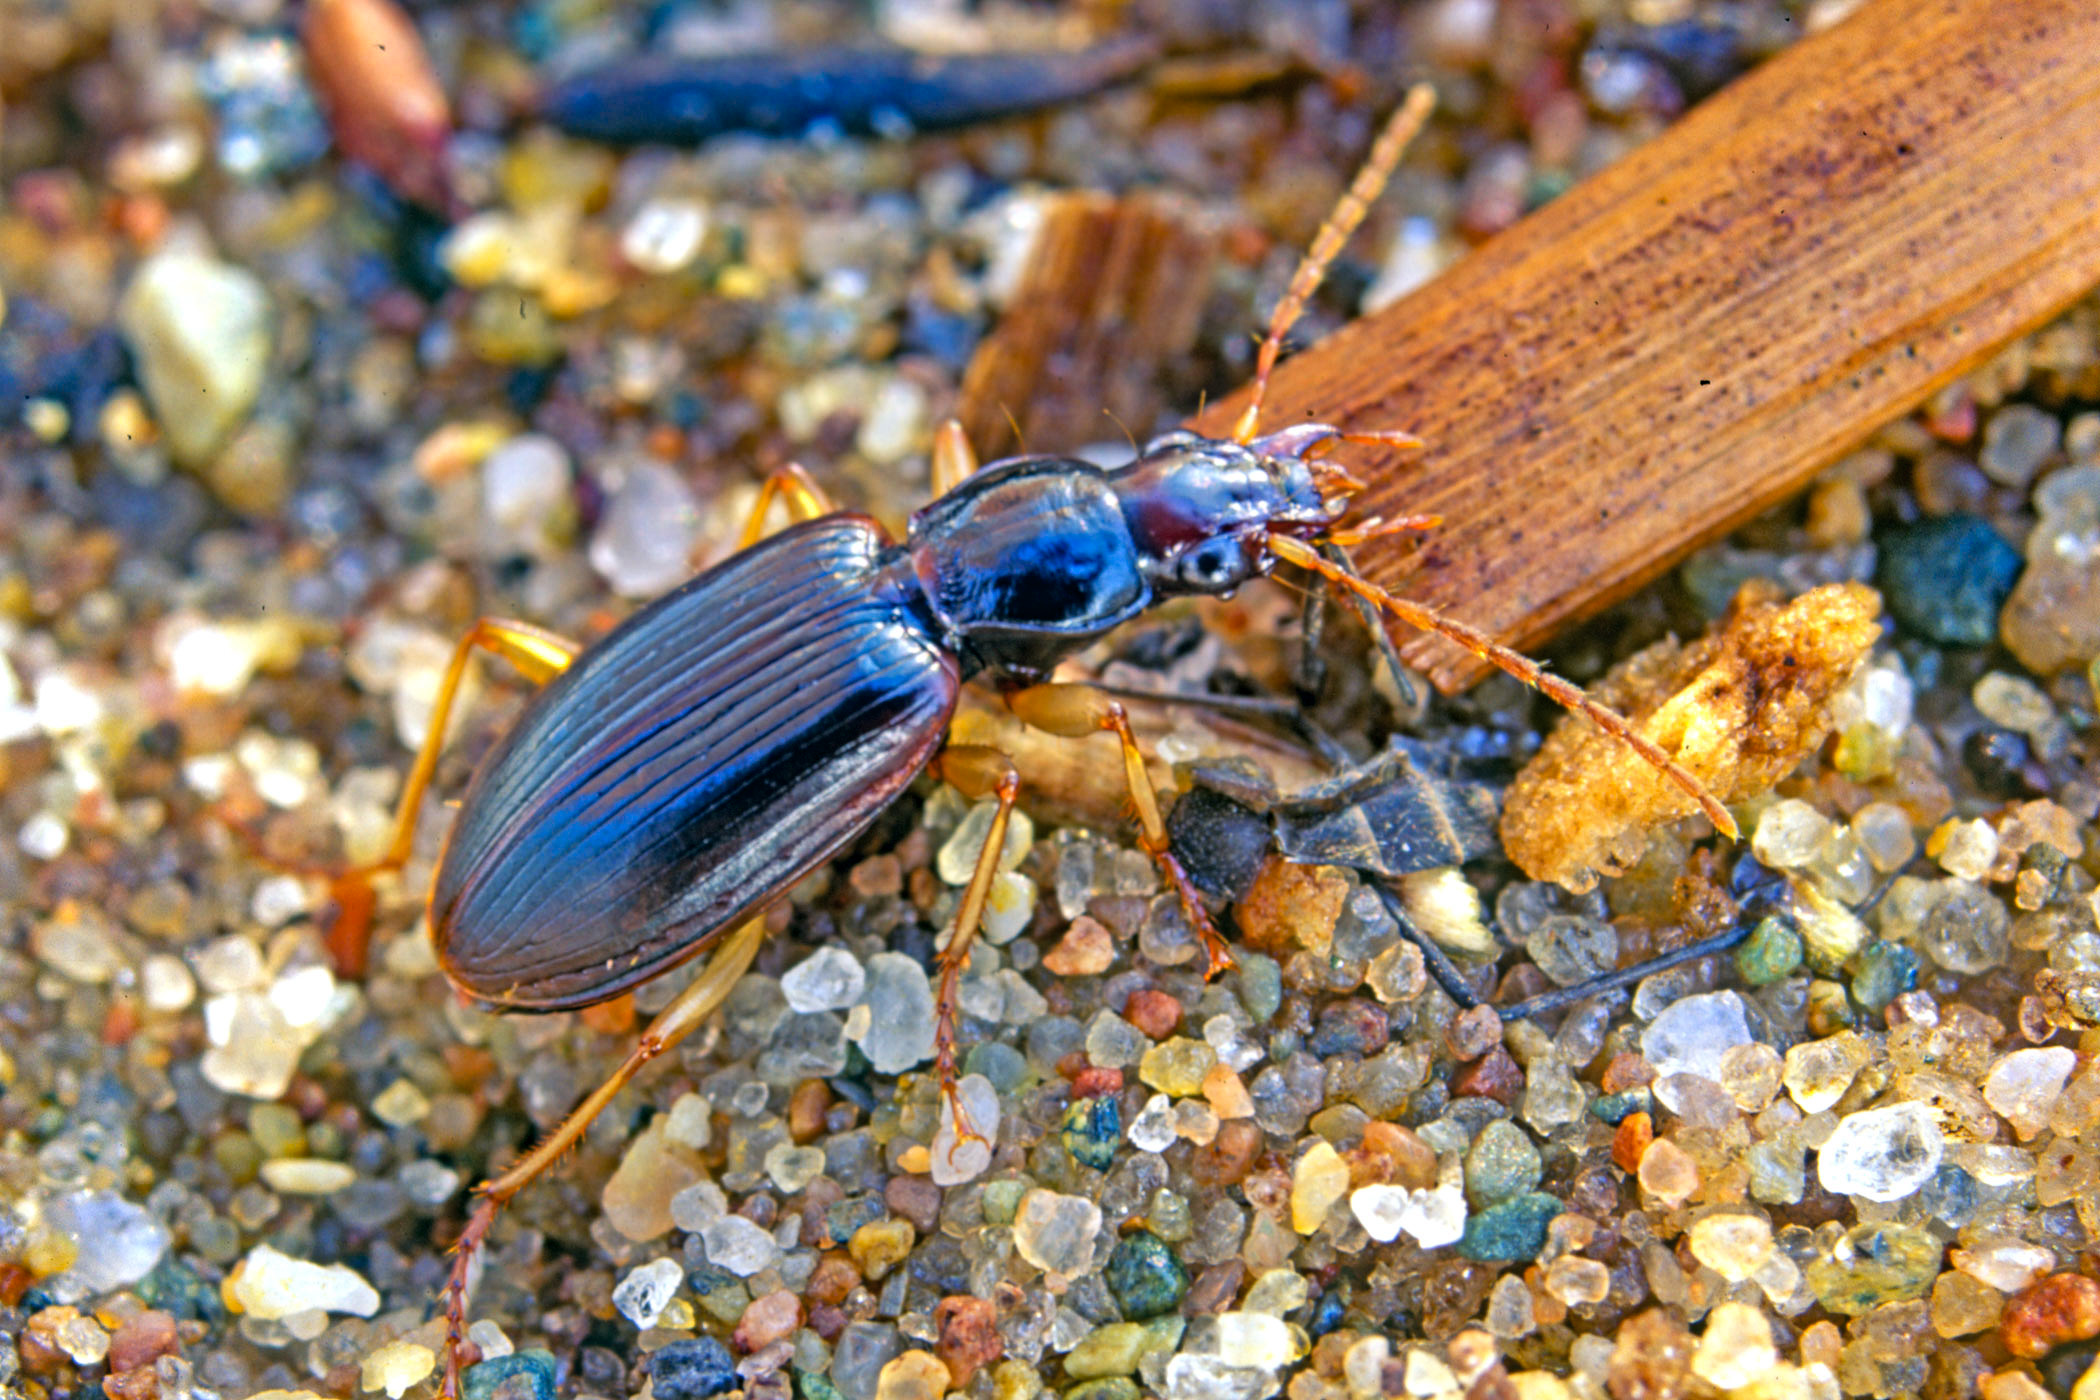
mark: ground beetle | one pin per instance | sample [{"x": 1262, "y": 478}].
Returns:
[{"x": 671, "y": 781}]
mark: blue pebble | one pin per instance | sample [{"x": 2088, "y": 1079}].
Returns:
[
  {"x": 1881, "y": 972},
  {"x": 1145, "y": 1276},
  {"x": 1946, "y": 577},
  {"x": 1616, "y": 1108},
  {"x": 1092, "y": 1129},
  {"x": 1327, "y": 1313},
  {"x": 1512, "y": 1230},
  {"x": 849, "y": 1215},
  {"x": 522, "y": 1373},
  {"x": 692, "y": 1370}
]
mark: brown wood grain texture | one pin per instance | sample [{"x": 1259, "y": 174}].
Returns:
[
  {"x": 1685, "y": 339},
  {"x": 1113, "y": 290}
]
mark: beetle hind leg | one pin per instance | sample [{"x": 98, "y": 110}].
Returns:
[
  {"x": 977, "y": 772},
  {"x": 541, "y": 655},
  {"x": 686, "y": 1013},
  {"x": 1075, "y": 711}
]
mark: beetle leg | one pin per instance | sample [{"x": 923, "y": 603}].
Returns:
[
  {"x": 977, "y": 772},
  {"x": 1564, "y": 692},
  {"x": 1078, "y": 710},
  {"x": 953, "y": 457},
  {"x": 541, "y": 655},
  {"x": 680, "y": 1019},
  {"x": 797, "y": 489}
]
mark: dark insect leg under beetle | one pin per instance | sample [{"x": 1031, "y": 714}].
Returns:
[{"x": 1446, "y": 974}]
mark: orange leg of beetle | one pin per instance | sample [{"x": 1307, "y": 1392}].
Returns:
[
  {"x": 953, "y": 458},
  {"x": 977, "y": 772},
  {"x": 1567, "y": 693},
  {"x": 797, "y": 489},
  {"x": 677, "y": 1021},
  {"x": 1078, "y": 710},
  {"x": 541, "y": 655}
]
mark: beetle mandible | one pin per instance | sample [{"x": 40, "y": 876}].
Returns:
[{"x": 671, "y": 781}]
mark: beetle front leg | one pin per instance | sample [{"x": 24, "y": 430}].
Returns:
[
  {"x": 541, "y": 655},
  {"x": 977, "y": 772},
  {"x": 954, "y": 460},
  {"x": 1076, "y": 711},
  {"x": 686, "y": 1013}
]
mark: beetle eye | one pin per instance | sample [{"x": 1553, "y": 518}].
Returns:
[{"x": 1211, "y": 566}]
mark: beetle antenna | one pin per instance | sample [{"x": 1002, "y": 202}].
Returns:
[
  {"x": 1020, "y": 438},
  {"x": 1349, "y": 212},
  {"x": 1128, "y": 436},
  {"x": 1565, "y": 692}
]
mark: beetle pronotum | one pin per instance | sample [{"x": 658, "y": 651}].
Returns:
[{"x": 671, "y": 781}]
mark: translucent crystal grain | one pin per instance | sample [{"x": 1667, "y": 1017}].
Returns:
[
  {"x": 901, "y": 1035},
  {"x": 1667, "y": 1172},
  {"x": 1434, "y": 1217},
  {"x": 1693, "y": 1034},
  {"x": 1968, "y": 928},
  {"x": 1817, "y": 1072},
  {"x": 1177, "y": 1066},
  {"x": 1966, "y": 849},
  {"x": 1751, "y": 1075},
  {"x": 739, "y": 1246},
  {"x": 1884, "y": 833},
  {"x": 2012, "y": 702},
  {"x": 1882, "y": 1154},
  {"x": 1113, "y": 1043},
  {"x": 1789, "y": 833},
  {"x": 1318, "y": 1182},
  {"x": 1736, "y": 1347},
  {"x": 1963, "y": 1306},
  {"x": 1733, "y": 1246},
  {"x": 1510, "y": 1314},
  {"x": 830, "y": 979},
  {"x": 2024, "y": 1086},
  {"x": 1576, "y": 1281},
  {"x": 645, "y": 1292},
  {"x": 1056, "y": 1232}
]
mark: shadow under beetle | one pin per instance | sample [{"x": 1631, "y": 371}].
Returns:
[{"x": 670, "y": 782}]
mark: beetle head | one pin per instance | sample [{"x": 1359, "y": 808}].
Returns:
[{"x": 1202, "y": 509}]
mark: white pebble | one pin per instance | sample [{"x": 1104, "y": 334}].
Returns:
[
  {"x": 830, "y": 979},
  {"x": 643, "y": 1295},
  {"x": 735, "y": 1244},
  {"x": 273, "y": 1286},
  {"x": 1882, "y": 1154},
  {"x": 664, "y": 235},
  {"x": 199, "y": 332}
]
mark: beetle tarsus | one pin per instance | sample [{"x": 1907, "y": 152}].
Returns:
[{"x": 457, "y": 1282}]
